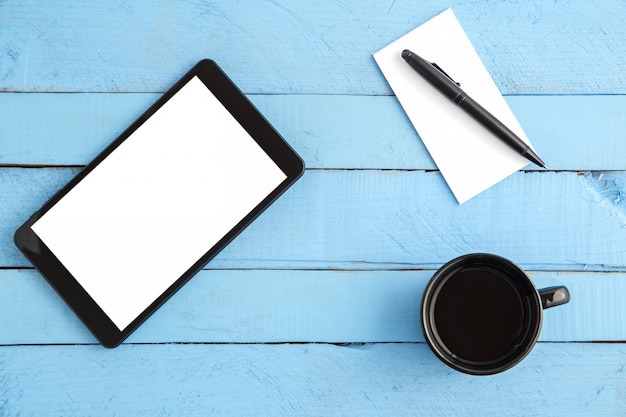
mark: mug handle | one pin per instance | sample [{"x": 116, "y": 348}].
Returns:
[{"x": 554, "y": 296}]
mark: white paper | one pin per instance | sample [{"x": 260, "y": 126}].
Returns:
[
  {"x": 158, "y": 203},
  {"x": 470, "y": 157}
]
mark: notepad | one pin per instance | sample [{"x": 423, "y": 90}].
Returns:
[{"x": 470, "y": 157}]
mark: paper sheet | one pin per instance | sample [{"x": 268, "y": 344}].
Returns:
[{"x": 470, "y": 158}]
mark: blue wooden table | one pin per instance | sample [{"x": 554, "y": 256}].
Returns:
[{"x": 314, "y": 310}]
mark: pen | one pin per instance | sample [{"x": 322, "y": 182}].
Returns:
[{"x": 446, "y": 85}]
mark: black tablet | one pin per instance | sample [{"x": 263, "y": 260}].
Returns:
[{"x": 158, "y": 203}]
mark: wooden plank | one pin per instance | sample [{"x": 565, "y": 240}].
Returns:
[
  {"x": 300, "y": 46},
  {"x": 327, "y": 131},
  {"x": 561, "y": 380},
  {"x": 398, "y": 220},
  {"x": 269, "y": 306}
]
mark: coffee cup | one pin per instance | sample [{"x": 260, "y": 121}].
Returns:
[{"x": 481, "y": 314}]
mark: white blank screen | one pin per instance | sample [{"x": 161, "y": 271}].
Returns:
[{"x": 158, "y": 203}]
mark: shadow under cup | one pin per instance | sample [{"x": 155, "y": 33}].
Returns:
[{"x": 481, "y": 314}]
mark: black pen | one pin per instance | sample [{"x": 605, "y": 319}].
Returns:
[{"x": 446, "y": 85}]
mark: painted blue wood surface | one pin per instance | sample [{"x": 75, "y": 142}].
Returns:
[
  {"x": 559, "y": 380},
  {"x": 363, "y": 132},
  {"x": 272, "y": 306},
  {"x": 373, "y": 219},
  {"x": 301, "y": 46},
  {"x": 274, "y": 325}
]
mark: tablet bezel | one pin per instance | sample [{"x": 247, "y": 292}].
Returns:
[{"x": 68, "y": 287}]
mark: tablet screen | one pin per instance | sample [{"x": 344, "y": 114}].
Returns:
[{"x": 154, "y": 206}]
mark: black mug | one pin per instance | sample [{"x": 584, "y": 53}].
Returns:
[{"x": 481, "y": 314}]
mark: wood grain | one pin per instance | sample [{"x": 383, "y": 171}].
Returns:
[
  {"x": 362, "y": 132},
  {"x": 273, "y": 306},
  {"x": 321, "y": 47},
  {"x": 343, "y": 256},
  {"x": 311, "y": 379},
  {"x": 376, "y": 219}
]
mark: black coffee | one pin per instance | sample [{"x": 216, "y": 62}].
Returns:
[{"x": 479, "y": 315}]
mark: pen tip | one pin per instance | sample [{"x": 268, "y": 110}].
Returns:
[{"x": 406, "y": 54}]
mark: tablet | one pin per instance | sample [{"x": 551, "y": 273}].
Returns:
[{"x": 158, "y": 203}]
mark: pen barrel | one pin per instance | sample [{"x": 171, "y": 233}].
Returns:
[
  {"x": 433, "y": 75},
  {"x": 442, "y": 82},
  {"x": 485, "y": 118}
]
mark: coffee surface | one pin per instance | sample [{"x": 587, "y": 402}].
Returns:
[{"x": 479, "y": 315}]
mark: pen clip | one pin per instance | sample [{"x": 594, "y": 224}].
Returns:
[{"x": 444, "y": 73}]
